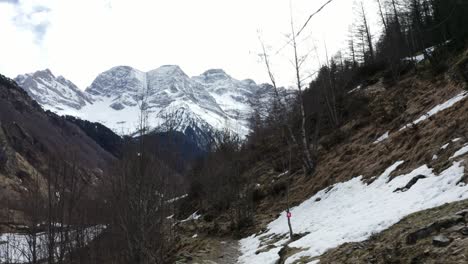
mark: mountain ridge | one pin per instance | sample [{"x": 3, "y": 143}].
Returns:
[{"x": 208, "y": 102}]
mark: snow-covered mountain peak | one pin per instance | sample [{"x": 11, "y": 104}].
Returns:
[
  {"x": 45, "y": 74},
  {"x": 214, "y": 75},
  {"x": 196, "y": 105},
  {"x": 53, "y": 93},
  {"x": 169, "y": 71},
  {"x": 116, "y": 81},
  {"x": 170, "y": 77},
  {"x": 249, "y": 82}
]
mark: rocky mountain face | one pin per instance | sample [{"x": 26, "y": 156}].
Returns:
[
  {"x": 33, "y": 140},
  {"x": 49, "y": 90},
  {"x": 196, "y": 106}
]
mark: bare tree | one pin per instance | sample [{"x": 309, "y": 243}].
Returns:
[
  {"x": 365, "y": 28},
  {"x": 352, "y": 50},
  {"x": 382, "y": 16},
  {"x": 330, "y": 93},
  {"x": 138, "y": 190},
  {"x": 282, "y": 111},
  {"x": 298, "y": 62},
  {"x": 34, "y": 206},
  {"x": 300, "y": 141},
  {"x": 396, "y": 16}
]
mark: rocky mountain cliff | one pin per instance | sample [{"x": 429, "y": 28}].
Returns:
[
  {"x": 33, "y": 140},
  {"x": 196, "y": 106},
  {"x": 49, "y": 90}
]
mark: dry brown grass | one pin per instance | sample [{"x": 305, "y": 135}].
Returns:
[{"x": 358, "y": 155}]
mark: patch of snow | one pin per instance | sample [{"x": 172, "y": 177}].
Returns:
[
  {"x": 445, "y": 146},
  {"x": 352, "y": 211},
  {"x": 460, "y": 152},
  {"x": 456, "y": 140},
  {"x": 15, "y": 247},
  {"x": 382, "y": 138},
  {"x": 355, "y": 89},
  {"x": 459, "y": 97},
  {"x": 417, "y": 58},
  {"x": 248, "y": 248},
  {"x": 195, "y": 236},
  {"x": 435, "y": 157},
  {"x": 193, "y": 216},
  {"x": 420, "y": 57},
  {"x": 177, "y": 198}
]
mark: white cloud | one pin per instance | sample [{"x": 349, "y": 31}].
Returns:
[{"x": 80, "y": 39}]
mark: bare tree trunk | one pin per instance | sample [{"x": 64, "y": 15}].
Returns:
[
  {"x": 309, "y": 164},
  {"x": 368, "y": 34},
  {"x": 50, "y": 216},
  {"x": 278, "y": 100},
  {"x": 353, "y": 51},
  {"x": 384, "y": 22},
  {"x": 397, "y": 19},
  {"x": 330, "y": 96}
]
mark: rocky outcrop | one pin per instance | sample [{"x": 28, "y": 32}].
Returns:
[
  {"x": 441, "y": 241},
  {"x": 410, "y": 183},
  {"x": 434, "y": 227}
]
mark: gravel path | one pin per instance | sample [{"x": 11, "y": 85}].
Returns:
[{"x": 223, "y": 252}]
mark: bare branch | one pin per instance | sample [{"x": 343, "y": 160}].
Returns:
[
  {"x": 305, "y": 25},
  {"x": 311, "y": 16}
]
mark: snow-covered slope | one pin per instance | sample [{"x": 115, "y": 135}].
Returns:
[
  {"x": 54, "y": 93},
  {"x": 352, "y": 211},
  {"x": 231, "y": 95},
  {"x": 196, "y": 105}
]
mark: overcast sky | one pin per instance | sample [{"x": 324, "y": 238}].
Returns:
[{"x": 81, "y": 38}]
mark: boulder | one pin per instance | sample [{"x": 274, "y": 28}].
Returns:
[
  {"x": 462, "y": 212},
  {"x": 410, "y": 184},
  {"x": 436, "y": 226},
  {"x": 464, "y": 231},
  {"x": 441, "y": 241}
]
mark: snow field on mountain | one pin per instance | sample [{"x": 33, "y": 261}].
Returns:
[{"x": 352, "y": 211}]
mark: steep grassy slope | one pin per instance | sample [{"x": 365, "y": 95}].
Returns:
[{"x": 358, "y": 153}]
